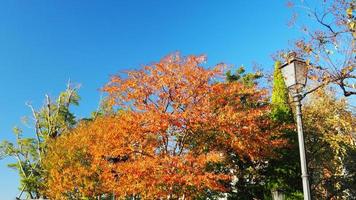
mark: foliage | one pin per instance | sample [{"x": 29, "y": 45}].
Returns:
[
  {"x": 350, "y": 168},
  {"x": 329, "y": 43},
  {"x": 329, "y": 129},
  {"x": 248, "y": 79},
  {"x": 281, "y": 110},
  {"x": 256, "y": 179},
  {"x": 330, "y": 141},
  {"x": 170, "y": 139},
  {"x": 49, "y": 122},
  {"x": 283, "y": 172}
]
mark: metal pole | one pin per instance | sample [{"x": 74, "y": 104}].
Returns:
[{"x": 303, "y": 161}]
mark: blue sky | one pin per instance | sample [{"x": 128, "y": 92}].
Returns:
[{"x": 43, "y": 44}]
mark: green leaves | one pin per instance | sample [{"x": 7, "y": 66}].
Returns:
[
  {"x": 50, "y": 121},
  {"x": 248, "y": 79},
  {"x": 6, "y": 149},
  {"x": 281, "y": 110}
]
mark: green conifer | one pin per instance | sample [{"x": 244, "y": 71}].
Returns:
[
  {"x": 281, "y": 110},
  {"x": 283, "y": 172}
]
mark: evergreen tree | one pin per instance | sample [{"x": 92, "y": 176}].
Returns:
[
  {"x": 281, "y": 110},
  {"x": 282, "y": 173}
]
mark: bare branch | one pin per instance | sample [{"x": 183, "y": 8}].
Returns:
[
  {"x": 324, "y": 24},
  {"x": 37, "y": 131}
]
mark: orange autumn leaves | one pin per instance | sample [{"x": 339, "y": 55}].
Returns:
[
  {"x": 177, "y": 117},
  {"x": 113, "y": 154}
]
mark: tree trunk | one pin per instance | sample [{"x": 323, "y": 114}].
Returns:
[{"x": 278, "y": 195}]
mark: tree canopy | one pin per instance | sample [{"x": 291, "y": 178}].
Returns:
[{"x": 175, "y": 124}]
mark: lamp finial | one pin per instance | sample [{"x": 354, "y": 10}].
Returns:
[{"x": 291, "y": 55}]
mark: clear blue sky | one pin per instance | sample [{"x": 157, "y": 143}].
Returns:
[{"x": 45, "y": 43}]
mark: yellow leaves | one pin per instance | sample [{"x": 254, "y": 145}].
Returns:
[
  {"x": 347, "y": 69},
  {"x": 303, "y": 46},
  {"x": 352, "y": 25},
  {"x": 307, "y": 62},
  {"x": 308, "y": 49},
  {"x": 330, "y": 117},
  {"x": 349, "y": 12},
  {"x": 329, "y": 128},
  {"x": 313, "y": 77}
]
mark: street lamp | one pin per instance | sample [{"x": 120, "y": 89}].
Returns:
[{"x": 295, "y": 77}]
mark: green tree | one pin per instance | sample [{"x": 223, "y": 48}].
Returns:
[
  {"x": 240, "y": 75},
  {"x": 50, "y": 121},
  {"x": 281, "y": 110},
  {"x": 283, "y": 172}
]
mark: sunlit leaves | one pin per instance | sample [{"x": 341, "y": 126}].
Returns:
[
  {"x": 176, "y": 118},
  {"x": 330, "y": 135},
  {"x": 48, "y": 122},
  {"x": 329, "y": 44}
]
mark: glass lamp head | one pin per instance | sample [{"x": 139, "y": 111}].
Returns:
[{"x": 295, "y": 74}]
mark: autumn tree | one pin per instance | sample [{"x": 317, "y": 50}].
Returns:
[
  {"x": 330, "y": 143},
  {"x": 247, "y": 177},
  {"x": 50, "y": 121},
  {"x": 328, "y": 45},
  {"x": 178, "y": 121},
  {"x": 68, "y": 165}
]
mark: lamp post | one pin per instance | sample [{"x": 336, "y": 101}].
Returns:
[{"x": 295, "y": 77}]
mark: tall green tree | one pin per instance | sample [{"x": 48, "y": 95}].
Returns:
[
  {"x": 281, "y": 110},
  {"x": 283, "y": 172},
  {"x": 50, "y": 121}
]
